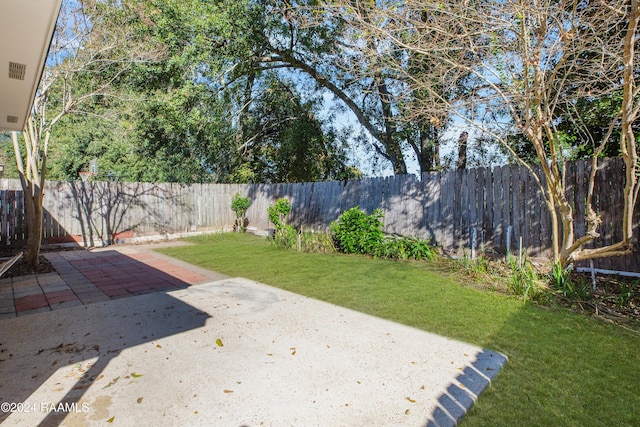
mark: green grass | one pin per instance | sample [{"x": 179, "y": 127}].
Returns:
[{"x": 564, "y": 369}]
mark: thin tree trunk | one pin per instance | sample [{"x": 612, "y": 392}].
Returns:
[
  {"x": 34, "y": 226},
  {"x": 462, "y": 150}
]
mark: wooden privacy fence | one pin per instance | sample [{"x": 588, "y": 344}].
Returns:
[{"x": 484, "y": 209}]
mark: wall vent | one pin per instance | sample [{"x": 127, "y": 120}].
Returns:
[
  {"x": 12, "y": 119},
  {"x": 17, "y": 71}
]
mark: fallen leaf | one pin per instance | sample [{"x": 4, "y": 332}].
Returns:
[
  {"x": 110, "y": 420},
  {"x": 293, "y": 351},
  {"x": 269, "y": 354},
  {"x": 422, "y": 388},
  {"x": 134, "y": 375},
  {"x": 101, "y": 376},
  {"x": 195, "y": 412},
  {"x": 406, "y": 412},
  {"x": 113, "y": 381},
  {"x": 139, "y": 400},
  {"x": 411, "y": 400},
  {"x": 228, "y": 391},
  {"x": 219, "y": 342},
  {"x": 158, "y": 345}
]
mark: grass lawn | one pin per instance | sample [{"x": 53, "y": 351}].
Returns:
[{"x": 564, "y": 369}]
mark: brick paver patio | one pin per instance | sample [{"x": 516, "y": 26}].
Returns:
[{"x": 85, "y": 277}]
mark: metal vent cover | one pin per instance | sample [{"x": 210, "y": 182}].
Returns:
[
  {"x": 17, "y": 71},
  {"x": 12, "y": 119}
]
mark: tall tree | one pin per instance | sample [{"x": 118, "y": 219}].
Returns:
[
  {"x": 306, "y": 38},
  {"x": 527, "y": 63},
  {"x": 93, "y": 38},
  {"x": 287, "y": 142}
]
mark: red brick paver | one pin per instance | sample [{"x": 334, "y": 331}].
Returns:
[{"x": 85, "y": 277}]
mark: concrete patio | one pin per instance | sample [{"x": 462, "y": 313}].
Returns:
[{"x": 130, "y": 337}]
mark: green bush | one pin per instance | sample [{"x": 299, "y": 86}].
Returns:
[
  {"x": 278, "y": 212},
  {"x": 285, "y": 236},
  {"x": 240, "y": 205},
  {"x": 355, "y": 232}
]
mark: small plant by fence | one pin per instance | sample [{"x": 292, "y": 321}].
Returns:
[{"x": 496, "y": 210}]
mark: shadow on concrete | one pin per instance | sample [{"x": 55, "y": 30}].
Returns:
[
  {"x": 463, "y": 393},
  {"x": 78, "y": 343}
]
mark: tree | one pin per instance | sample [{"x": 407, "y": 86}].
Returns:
[
  {"x": 306, "y": 39},
  {"x": 94, "y": 44},
  {"x": 526, "y": 65},
  {"x": 285, "y": 141}
]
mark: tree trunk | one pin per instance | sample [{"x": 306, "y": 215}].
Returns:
[
  {"x": 462, "y": 150},
  {"x": 33, "y": 204},
  {"x": 32, "y": 180}
]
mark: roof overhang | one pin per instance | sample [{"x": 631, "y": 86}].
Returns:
[{"x": 26, "y": 29}]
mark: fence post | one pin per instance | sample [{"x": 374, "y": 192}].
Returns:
[{"x": 474, "y": 238}]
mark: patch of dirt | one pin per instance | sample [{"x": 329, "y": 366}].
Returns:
[{"x": 20, "y": 268}]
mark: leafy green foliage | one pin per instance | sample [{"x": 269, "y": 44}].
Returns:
[
  {"x": 279, "y": 211},
  {"x": 405, "y": 248},
  {"x": 285, "y": 138},
  {"x": 239, "y": 205},
  {"x": 628, "y": 292},
  {"x": 358, "y": 233},
  {"x": 285, "y": 236},
  {"x": 304, "y": 241},
  {"x": 477, "y": 266},
  {"x": 355, "y": 232},
  {"x": 523, "y": 280},
  {"x": 574, "y": 290}
]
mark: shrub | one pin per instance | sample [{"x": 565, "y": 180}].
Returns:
[
  {"x": 278, "y": 212},
  {"x": 355, "y": 232},
  {"x": 285, "y": 236},
  {"x": 240, "y": 205}
]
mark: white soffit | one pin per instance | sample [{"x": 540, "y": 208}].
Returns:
[{"x": 26, "y": 28}]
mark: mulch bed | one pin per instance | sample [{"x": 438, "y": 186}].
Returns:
[
  {"x": 20, "y": 268},
  {"x": 616, "y": 298}
]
